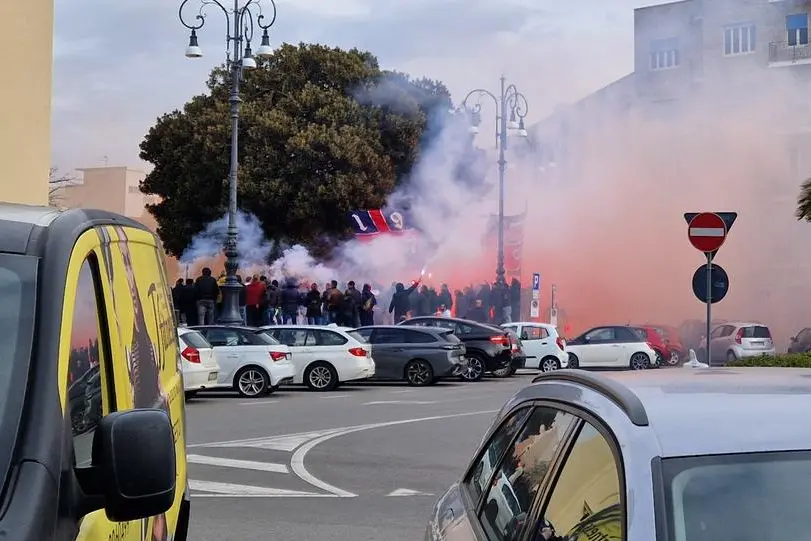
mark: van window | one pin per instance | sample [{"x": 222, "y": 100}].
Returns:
[
  {"x": 85, "y": 392},
  {"x": 585, "y": 502},
  {"x": 522, "y": 471}
]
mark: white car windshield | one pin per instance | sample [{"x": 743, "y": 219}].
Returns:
[{"x": 745, "y": 497}]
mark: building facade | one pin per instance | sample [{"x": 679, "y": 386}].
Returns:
[
  {"x": 26, "y": 51},
  {"x": 114, "y": 189}
]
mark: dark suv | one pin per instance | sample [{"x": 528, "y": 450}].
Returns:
[{"x": 489, "y": 349}]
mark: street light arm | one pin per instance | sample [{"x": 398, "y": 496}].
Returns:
[
  {"x": 516, "y": 102},
  {"x": 245, "y": 29},
  {"x": 262, "y": 16},
  {"x": 480, "y": 92},
  {"x": 201, "y": 17}
]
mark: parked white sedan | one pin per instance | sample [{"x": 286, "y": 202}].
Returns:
[
  {"x": 610, "y": 346},
  {"x": 543, "y": 347},
  {"x": 324, "y": 356},
  {"x": 197, "y": 361},
  {"x": 251, "y": 362}
]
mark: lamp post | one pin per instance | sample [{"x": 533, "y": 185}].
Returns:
[
  {"x": 510, "y": 102},
  {"x": 240, "y": 20}
]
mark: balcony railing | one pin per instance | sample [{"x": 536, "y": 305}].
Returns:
[{"x": 781, "y": 51}]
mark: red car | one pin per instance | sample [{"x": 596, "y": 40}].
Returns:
[
  {"x": 656, "y": 341},
  {"x": 672, "y": 337}
]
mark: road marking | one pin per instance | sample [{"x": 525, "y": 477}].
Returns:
[
  {"x": 231, "y": 490},
  {"x": 258, "y": 402},
  {"x": 408, "y": 492},
  {"x": 239, "y": 464},
  {"x": 401, "y": 402},
  {"x": 335, "y": 396},
  {"x": 297, "y": 460},
  {"x": 285, "y": 442},
  {"x": 402, "y": 392}
]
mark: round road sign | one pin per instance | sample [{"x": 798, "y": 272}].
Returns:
[
  {"x": 707, "y": 232},
  {"x": 719, "y": 283}
]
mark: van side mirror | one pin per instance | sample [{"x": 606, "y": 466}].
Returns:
[{"x": 132, "y": 474}]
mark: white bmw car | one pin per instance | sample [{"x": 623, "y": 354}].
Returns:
[{"x": 324, "y": 356}]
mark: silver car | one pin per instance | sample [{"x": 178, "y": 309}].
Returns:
[
  {"x": 682, "y": 455},
  {"x": 737, "y": 340}
]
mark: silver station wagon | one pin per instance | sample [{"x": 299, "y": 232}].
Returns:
[{"x": 694, "y": 454}]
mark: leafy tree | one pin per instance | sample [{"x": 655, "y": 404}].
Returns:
[
  {"x": 804, "y": 202},
  {"x": 322, "y": 131}
]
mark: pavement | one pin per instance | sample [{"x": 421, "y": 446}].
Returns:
[{"x": 364, "y": 462}]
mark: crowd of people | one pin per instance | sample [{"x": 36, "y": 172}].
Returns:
[{"x": 264, "y": 301}]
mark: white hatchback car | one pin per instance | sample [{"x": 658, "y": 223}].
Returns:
[
  {"x": 543, "y": 346},
  {"x": 324, "y": 356},
  {"x": 251, "y": 362},
  {"x": 610, "y": 346},
  {"x": 197, "y": 362}
]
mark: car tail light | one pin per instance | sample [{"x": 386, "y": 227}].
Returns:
[
  {"x": 358, "y": 352},
  {"x": 191, "y": 354},
  {"x": 738, "y": 336},
  {"x": 503, "y": 340},
  {"x": 560, "y": 343},
  {"x": 278, "y": 355}
]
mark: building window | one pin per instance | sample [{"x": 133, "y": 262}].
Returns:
[
  {"x": 797, "y": 29},
  {"x": 739, "y": 39},
  {"x": 664, "y": 54}
]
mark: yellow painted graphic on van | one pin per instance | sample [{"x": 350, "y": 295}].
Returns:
[{"x": 145, "y": 344}]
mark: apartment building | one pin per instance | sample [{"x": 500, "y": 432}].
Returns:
[
  {"x": 115, "y": 189},
  {"x": 26, "y": 52}
]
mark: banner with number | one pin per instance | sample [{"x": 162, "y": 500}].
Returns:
[{"x": 369, "y": 224}]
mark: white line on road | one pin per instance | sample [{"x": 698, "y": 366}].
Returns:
[
  {"x": 402, "y": 402},
  {"x": 238, "y": 464},
  {"x": 408, "y": 492},
  {"x": 297, "y": 461},
  {"x": 334, "y": 396},
  {"x": 231, "y": 490},
  {"x": 402, "y": 392},
  {"x": 258, "y": 402}
]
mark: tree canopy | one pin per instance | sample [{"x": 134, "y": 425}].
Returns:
[
  {"x": 322, "y": 131},
  {"x": 804, "y": 202}
]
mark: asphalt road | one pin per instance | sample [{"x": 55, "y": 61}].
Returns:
[{"x": 364, "y": 462}]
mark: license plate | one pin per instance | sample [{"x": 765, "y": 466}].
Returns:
[{"x": 212, "y": 376}]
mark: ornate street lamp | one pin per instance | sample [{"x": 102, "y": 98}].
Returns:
[
  {"x": 511, "y": 109},
  {"x": 240, "y": 21}
]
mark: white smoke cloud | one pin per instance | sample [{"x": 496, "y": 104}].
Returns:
[{"x": 254, "y": 249}]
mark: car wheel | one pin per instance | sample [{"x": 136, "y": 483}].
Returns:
[
  {"x": 639, "y": 361},
  {"x": 419, "y": 373},
  {"x": 548, "y": 364},
  {"x": 504, "y": 372},
  {"x": 475, "y": 368},
  {"x": 190, "y": 395},
  {"x": 674, "y": 358},
  {"x": 252, "y": 382},
  {"x": 321, "y": 377},
  {"x": 731, "y": 357},
  {"x": 574, "y": 362}
]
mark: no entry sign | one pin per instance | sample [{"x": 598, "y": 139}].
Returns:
[{"x": 707, "y": 232}]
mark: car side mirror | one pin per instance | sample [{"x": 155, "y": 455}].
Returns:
[
  {"x": 132, "y": 474},
  {"x": 586, "y": 339},
  {"x": 524, "y": 336}
]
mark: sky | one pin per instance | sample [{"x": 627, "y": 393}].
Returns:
[{"x": 118, "y": 66}]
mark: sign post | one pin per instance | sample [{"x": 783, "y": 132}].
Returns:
[
  {"x": 535, "y": 304},
  {"x": 707, "y": 232}
]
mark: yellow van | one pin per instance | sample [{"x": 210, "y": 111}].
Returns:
[{"x": 92, "y": 426}]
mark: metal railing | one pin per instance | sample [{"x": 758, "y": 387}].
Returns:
[{"x": 781, "y": 51}]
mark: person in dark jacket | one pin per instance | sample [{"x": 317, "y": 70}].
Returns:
[
  {"x": 313, "y": 302},
  {"x": 461, "y": 304},
  {"x": 350, "y": 307},
  {"x": 445, "y": 297},
  {"x": 478, "y": 313},
  {"x": 206, "y": 291},
  {"x": 367, "y": 307},
  {"x": 333, "y": 299},
  {"x": 243, "y": 311},
  {"x": 273, "y": 303},
  {"x": 290, "y": 301},
  {"x": 188, "y": 303},
  {"x": 515, "y": 299},
  {"x": 400, "y": 301}
]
